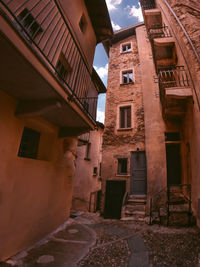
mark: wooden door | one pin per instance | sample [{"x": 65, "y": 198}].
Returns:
[
  {"x": 115, "y": 191},
  {"x": 138, "y": 182},
  {"x": 173, "y": 164}
]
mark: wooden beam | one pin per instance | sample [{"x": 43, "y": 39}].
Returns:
[{"x": 36, "y": 108}]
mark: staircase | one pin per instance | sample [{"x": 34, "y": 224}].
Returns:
[
  {"x": 175, "y": 210},
  {"x": 133, "y": 208}
]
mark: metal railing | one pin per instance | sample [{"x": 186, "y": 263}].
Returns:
[
  {"x": 159, "y": 32},
  {"x": 170, "y": 196},
  {"x": 44, "y": 27},
  {"x": 147, "y": 4}
]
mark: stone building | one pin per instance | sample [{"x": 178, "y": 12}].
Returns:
[
  {"x": 151, "y": 141},
  {"x": 87, "y": 178},
  {"x": 48, "y": 96}
]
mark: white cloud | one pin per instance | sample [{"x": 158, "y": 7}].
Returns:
[
  {"x": 111, "y": 4},
  {"x": 116, "y": 27},
  {"x": 102, "y": 71},
  {"x": 136, "y": 12},
  {"x": 100, "y": 115}
]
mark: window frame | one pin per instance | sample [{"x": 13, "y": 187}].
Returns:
[
  {"x": 29, "y": 144},
  {"x": 63, "y": 68},
  {"x": 126, "y": 123},
  {"x": 32, "y": 27},
  {"x": 124, "y": 45},
  {"x": 127, "y": 71},
  {"x": 120, "y": 167}
]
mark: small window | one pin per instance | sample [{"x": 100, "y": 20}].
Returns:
[
  {"x": 82, "y": 23},
  {"x": 87, "y": 152},
  {"x": 126, "y": 48},
  {"x": 29, "y": 143},
  {"x": 100, "y": 169},
  {"x": 62, "y": 67},
  {"x": 127, "y": 76},
  {"x": 125, "y": 117},
  {"x": 122, "y": 166},
  {"x": 29, "y": 23},
  {"x": 95, "y": 171}
]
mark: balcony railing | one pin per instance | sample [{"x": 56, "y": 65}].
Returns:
[
  {"x": 44, "y": 27},
  {"x": 160, "y": 32},
  {"x": 147, "y": 4},
  {"x": 173, "y": 77}
]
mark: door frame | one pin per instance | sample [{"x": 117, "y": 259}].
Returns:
[{"x": 131, "y": 177}]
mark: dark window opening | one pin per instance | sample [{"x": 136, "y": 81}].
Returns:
[
  {"x": 29, "y": 143},
  {"x": 87, "y": 152},
  {"x": 126, "y": 47},
  {"x": 125, "y": 117},
  {"x": 172, "y": 136},
  {"x": 122, "y": 166},
  {"x": 63, "y": 67},
  {"x": 29, "y": 23},
  {"x": 127, "y": 76},
  {"x": 82, "y": 23},
  {"x": 100, "y": 169},
  {"x": 95, "y": 171}
]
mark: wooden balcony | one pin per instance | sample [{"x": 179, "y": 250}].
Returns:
[
  {"x": 44, "y": 68},
  {"x": 175, "y": 91}
]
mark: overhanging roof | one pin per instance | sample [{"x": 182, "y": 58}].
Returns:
[
  {"x": 121, "y": 35},
  {"x": 98, "y": 82},
  {"x": 98, "y": 12}
]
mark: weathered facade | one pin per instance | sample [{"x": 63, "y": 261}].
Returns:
[
  {"x": 87, "y": 179},
  {"x": 48, "y": 96},
  {"x": 167, "y": 77}
]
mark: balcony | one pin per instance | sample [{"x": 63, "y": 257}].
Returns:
[
  {"x": 159, "y": 32},
  {"x": 175, "y": 91},
  {"x": 46, "y": 34},
  {"x": 147, "y": 4}
]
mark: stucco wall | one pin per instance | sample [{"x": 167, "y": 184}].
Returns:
[
  {"x": 85, "y": 182},
  {"x": 188, "y": 14},
  {"x": 35, "y": 194}
]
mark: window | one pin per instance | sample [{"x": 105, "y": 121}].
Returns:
[
  {"x": 63, "y": 67},
  {"x": 126, "y": 48},
  {"x": 122, "y": 166},
  {"x": 29, "y": 143},
  {"x": 127, "y": 76},
  {"x": 29, "y": 22},
  {"x": 82, "y": 23},
  {"x": 100, "y": 169},
  {"x": 95, "y": 171},
  {"x": 87, "y": 152},
  {"x": 125, "y": 117},
  {"x": 172, "y": 136}
]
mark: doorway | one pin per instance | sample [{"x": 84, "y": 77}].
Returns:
[
  {"x": 115, "y": 191},
  {"x": 138, "y": 182},
  {"x": 173, "y": 163}
]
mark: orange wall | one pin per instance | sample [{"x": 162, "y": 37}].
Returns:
[{"x": 35, "y": 195}]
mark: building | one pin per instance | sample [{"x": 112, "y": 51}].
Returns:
[
  {"x": 48, "y": 97},
  {"x": 87, "y": 179},
  {"x": 154, "y": 68}
]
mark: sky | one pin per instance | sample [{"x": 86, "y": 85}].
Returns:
[{"x": 123, "y": 13}]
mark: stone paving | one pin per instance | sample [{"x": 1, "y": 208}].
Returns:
[{"x": 90, "y": 241}]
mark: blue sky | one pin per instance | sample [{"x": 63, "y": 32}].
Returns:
[{"x": 123, "y": 13}]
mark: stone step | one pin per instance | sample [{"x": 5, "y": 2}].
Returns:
[
  {"x": 135, "y": 218},
  {"x": 135, "y": 207},
  {"x": 135, "y": 212},
  {"x": 137, "y": 197},
  {"x": 132, "y": 201}
]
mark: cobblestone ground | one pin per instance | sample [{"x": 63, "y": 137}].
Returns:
[
  {"x": 172, "y": 247},
  {"x": 124, "y": 244}
]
